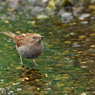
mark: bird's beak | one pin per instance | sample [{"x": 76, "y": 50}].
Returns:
[{"x": 42, "y": 37}]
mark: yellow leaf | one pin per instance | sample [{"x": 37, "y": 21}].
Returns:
[
  {"x": 65, "y": 77},
  {"x": 46, "y": 75},
  {"x": 2, "y": 82},
  {"x": 58, "y": 78},
  {"x": 60, "y": 84},
  {"x": 57, "y": 40},
  {"x": 92, "y": 45},
  {"x": 92, "y": 7},
  {"x": 50, "y": 32},
  {"x": 92, "y": 61},
  {"x": 56, "y": 57},
  {"x": 81, "y": 37},
  {"x": 6, "y": 21},
  {"x": 51, "y": 5},
  {"x": 11, "y": 64},
  {"x": 38, "y": 88},
  {"x": 65, "y": 74},
  {"x": 26, "y": 78},
  {"x": 68, "y": 35},
  {"x": 93, "y": 92},
  {"x": 18, "y": 67},
  {"x": 58, "y": 64},
  {"x": 33, "y": 23},
  {"x": 46, "y": 83},
  {"x": 48, "y": 45},
  {"x": 80, "y": 52},
  {"x": 67, "y": 42},
  {"x": 83, "y": 66},
  {"x": 11, "y": 10},
  {"x": 83, "y": 62},
  {"x": 18, "y": 32},
  {"x": 75, "y": 50},
  {"x": 83, "y": 93},
  {"x": 92, "y": 35},
  {"x": 67, "y": 51},
  {"x": 74, "y": 23}
]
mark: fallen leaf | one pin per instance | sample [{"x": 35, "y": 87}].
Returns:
[
  {"x": 56, "y": 57},
  {"x": 92, "y": 7},
  {"x": 48, "y": 45},
  {"x": 67, "y": 42},
  {"x": 38, "y": 88},
  {"x": 75, "y": 50},
  {"x": 92, "y": 45},
  {"x": 18, "y": 32},
  {"x": 46, "y": 75},
  {"x": 50, "y": 33},
  {"x": 67, "y": 51},
  {"x": 82, "y": 37},
  {"x": 92, "y": 34},
  {"x": 60, "y": 84},
  {"x": 83, "y": 93},
  {"x": 80, "y": 51}
]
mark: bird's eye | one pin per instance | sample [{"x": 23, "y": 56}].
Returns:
[{"x": 34, "y": 37}]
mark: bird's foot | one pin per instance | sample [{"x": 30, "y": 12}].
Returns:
[
  {"x": 35, "y": 64},
  {"x": 22, "y": 65}
]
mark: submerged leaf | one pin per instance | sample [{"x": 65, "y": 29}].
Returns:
[
  {"x": 92, "y": 45},
  {"x": 48, "y": 45},
  {"x": 92, "y": 34},
  {"x": 67, "y": 42},
  {"x": 60, "y": 84},
  {"x": 18, "y": 32},
  {"x": 82, "y": 37},
  {"x": 67, "y": 51}
]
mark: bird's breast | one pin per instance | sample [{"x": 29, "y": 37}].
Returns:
[{"x": 30, "y": 52}]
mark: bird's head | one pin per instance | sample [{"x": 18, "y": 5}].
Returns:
[
  {"x": 37, "y": 38},
  {"x": 33, "y": 39}
]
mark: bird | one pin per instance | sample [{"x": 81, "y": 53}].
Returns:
[{"x": 28, "y": 45}]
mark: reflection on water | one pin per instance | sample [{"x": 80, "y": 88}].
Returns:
[
  {"x": 66, "y": 67},
  {"x": 56, "y": 74},
  {"x": 31, "y": 80},
  {"x": 24, "y": 81}
]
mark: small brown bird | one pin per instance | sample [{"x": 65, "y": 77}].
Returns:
[{"x": 28, "y": 45}]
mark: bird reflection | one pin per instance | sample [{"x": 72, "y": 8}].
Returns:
[{"x": 31, "y": 80}]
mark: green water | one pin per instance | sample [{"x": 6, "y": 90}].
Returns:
[{"x": 62, "y": 68}]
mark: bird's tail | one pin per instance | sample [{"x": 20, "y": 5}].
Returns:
[{"x": 10, "y": 34}]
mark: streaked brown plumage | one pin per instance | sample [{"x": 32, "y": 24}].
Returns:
[{"x": 28, "y": 45}]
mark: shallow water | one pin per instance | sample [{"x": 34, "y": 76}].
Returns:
[{"x": 66, "y": 66}]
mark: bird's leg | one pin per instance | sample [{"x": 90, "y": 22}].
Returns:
[
  {"x": 34, "y": 62},
  {"x": 21, "y": 60}
]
